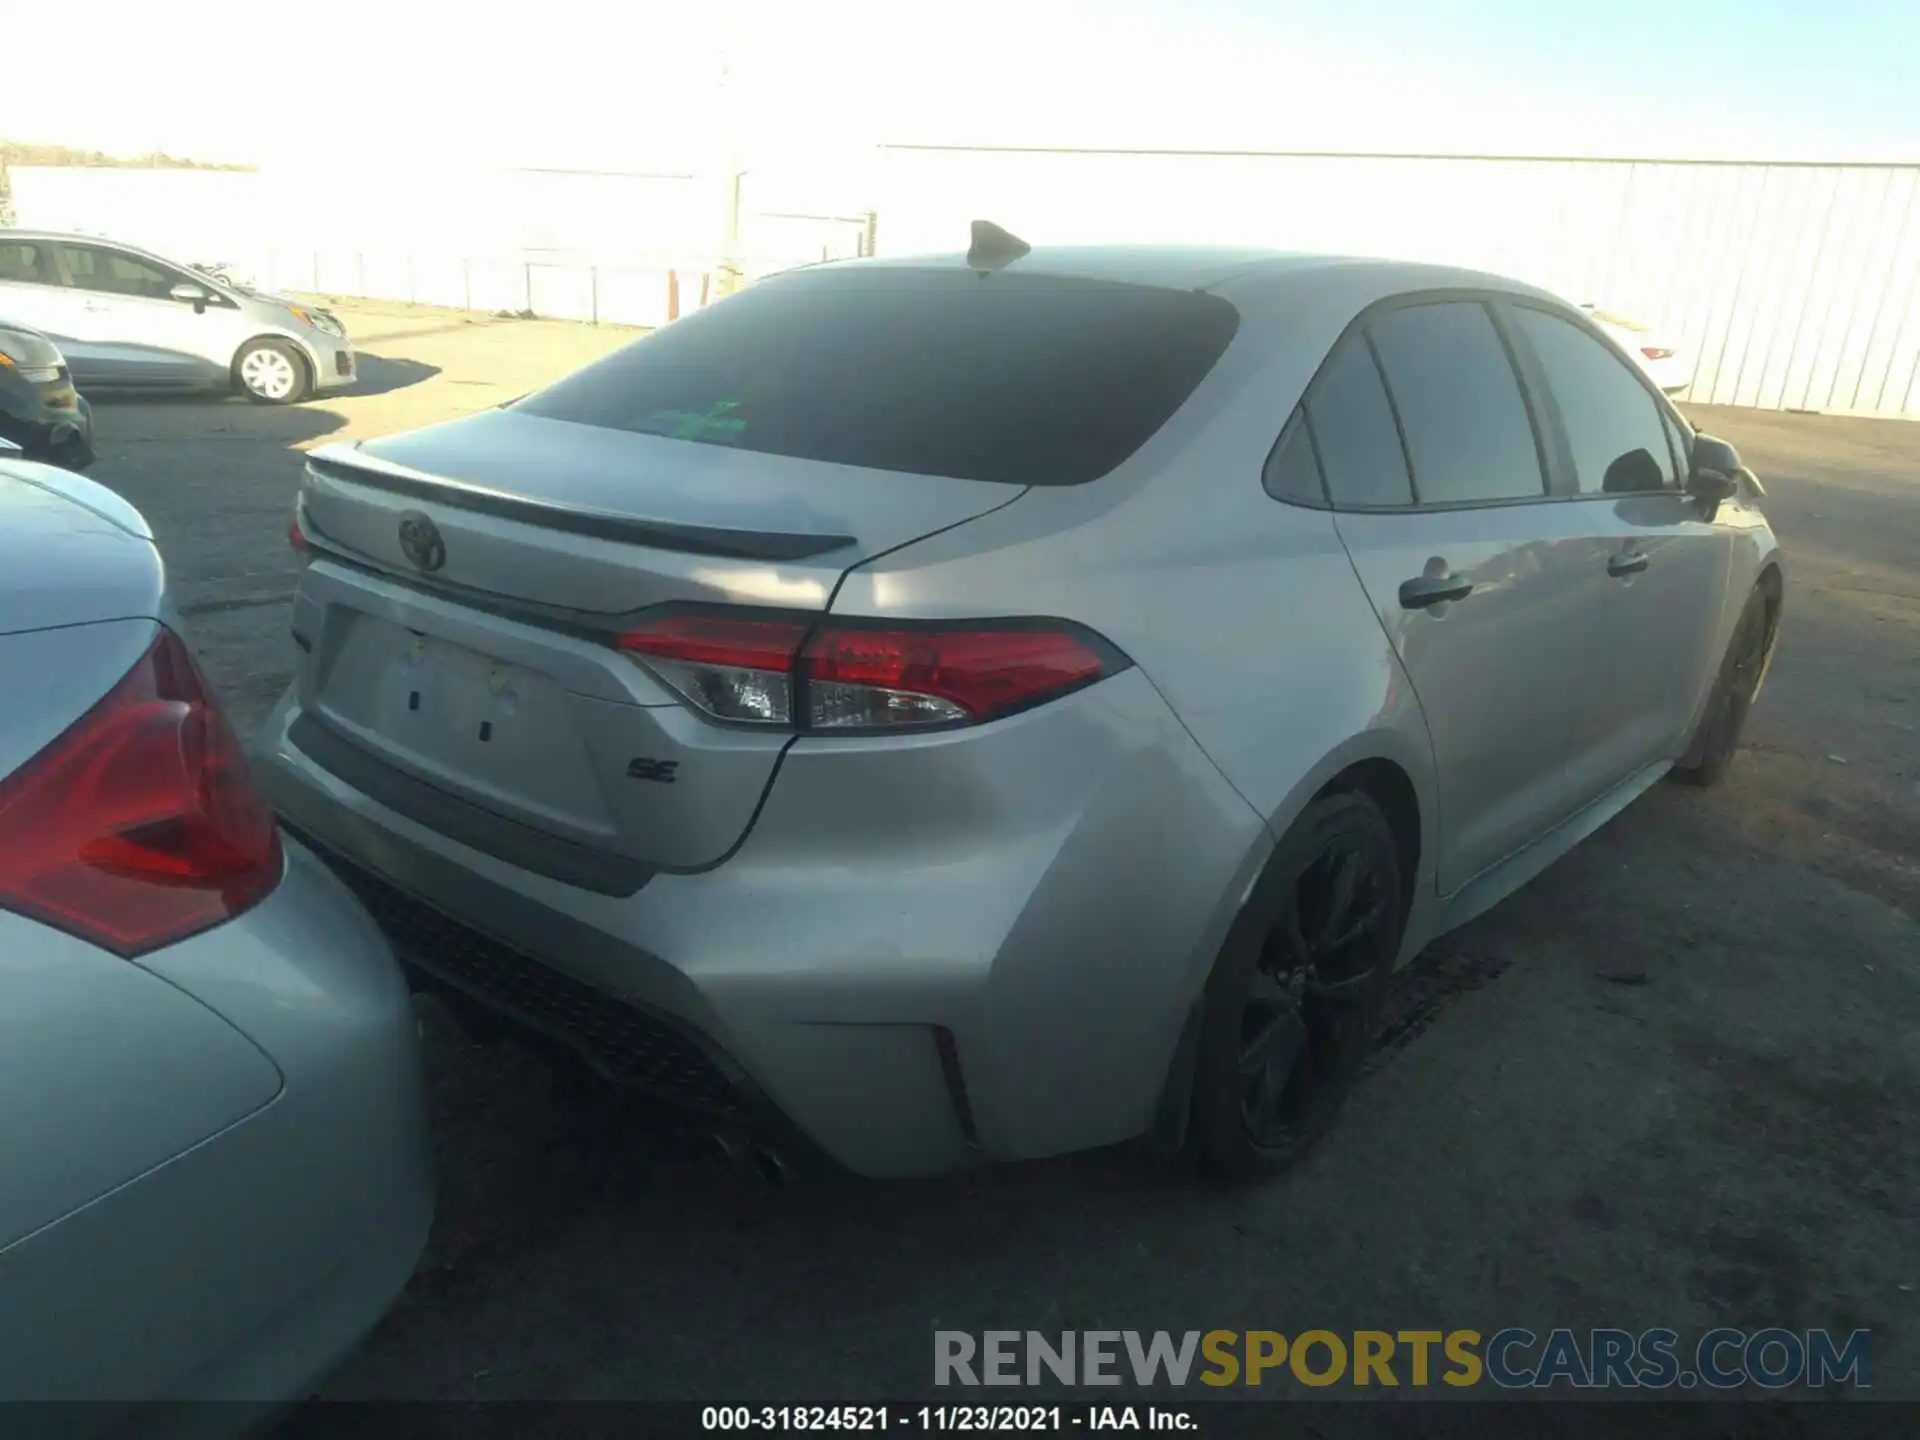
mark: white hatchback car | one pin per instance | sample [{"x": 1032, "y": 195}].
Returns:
[{"x": 128, "y": 319}]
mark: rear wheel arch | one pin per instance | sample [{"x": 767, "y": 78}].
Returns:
[{"x": 1363, "y": 768}]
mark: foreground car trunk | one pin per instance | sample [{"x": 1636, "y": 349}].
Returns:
[{"x": 468, "y": 587}]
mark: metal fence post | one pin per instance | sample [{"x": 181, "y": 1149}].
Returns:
[
  {"x": 593, "y": 283},
  {"x": 526, "y": 275}
]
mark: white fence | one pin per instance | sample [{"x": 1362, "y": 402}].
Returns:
[
  {"x": 1794, "y": 287},
  {"x": 623, "y": 248}
]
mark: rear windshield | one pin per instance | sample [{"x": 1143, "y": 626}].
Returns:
[{"x": 1022, "y": 379}]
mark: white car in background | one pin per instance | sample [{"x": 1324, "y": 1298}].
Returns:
[
  {"x": 214, "y": 1164},
  {"x": 127, "y": 319},
  {"x": 1666, "y": 364}
]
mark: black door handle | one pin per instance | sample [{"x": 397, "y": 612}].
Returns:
[
  {"x": 1424, "y": 590},
  {"x": 1626, "y": 562}
]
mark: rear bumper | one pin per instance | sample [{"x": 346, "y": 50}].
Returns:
[
  {"x": 924, "y": 953},
  {"x": 245, "y": 1269}
]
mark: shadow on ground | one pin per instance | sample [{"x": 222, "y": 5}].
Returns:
[{"x": 383, "y": 374}]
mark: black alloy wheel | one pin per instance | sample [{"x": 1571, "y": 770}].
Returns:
[{"x": 1292, "y": 1003}]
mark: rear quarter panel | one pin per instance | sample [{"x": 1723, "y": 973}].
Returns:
[
  {"x": 107, "y": 1071},
  {"x": 1244, "y": 612}
]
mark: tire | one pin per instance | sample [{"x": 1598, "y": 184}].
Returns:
[
  {"x": 272, "y": 372},
  {"x": 1282, "y": 1041},
  {"x": 1744, "y": 666}
]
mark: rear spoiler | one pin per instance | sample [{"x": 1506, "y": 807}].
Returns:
[{"x": 376, "y": 474}]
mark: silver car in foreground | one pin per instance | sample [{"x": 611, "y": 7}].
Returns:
[
  {"x": 991, "y": 705},
  {"x": 214, "y": 1169},
  {"x": 127, "y": 319}
]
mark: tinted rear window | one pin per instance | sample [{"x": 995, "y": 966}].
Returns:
[
  {"x": 1354, "y": 430},
  {"x": 1023, "y": 379}
]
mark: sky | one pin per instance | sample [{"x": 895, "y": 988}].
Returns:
[{"x": 598, "y": 84}]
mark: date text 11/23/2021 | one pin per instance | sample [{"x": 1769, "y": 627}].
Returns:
[{"x": 979, "y": 1419}]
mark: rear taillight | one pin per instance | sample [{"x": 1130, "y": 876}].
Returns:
[
  {"x": 825, "y": 674},
  {"x": 297, "y": 537},
  {"x": 1655, "y": 352},
  {"x": 141, "y": 823}
]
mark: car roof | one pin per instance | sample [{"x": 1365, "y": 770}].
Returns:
[
  {"x": 17, "y": 232},
  {"x": 1247, "y": 270}
]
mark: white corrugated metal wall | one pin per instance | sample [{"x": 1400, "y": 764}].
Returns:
[{"x": 1794, "y": 286}]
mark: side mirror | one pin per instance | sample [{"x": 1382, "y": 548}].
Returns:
[
  {"x": 187, "y": 293},
  {"x": 1715, "y": 470}
]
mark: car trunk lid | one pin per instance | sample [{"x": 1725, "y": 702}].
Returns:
[
  {"x": 607, "y": 522},
  {"x": 470, "y": 581}
]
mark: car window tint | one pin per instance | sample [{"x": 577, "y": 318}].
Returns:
[
  {"x": 114, "y": 273},
  {"x": 1022, "y": 379},
  {"x": 1678, "y": 435},
  {"x": 1459, "y": 403},
  {"x": 1293, "y": 473},
  {"x": 1353, "y": 429},
  {"x": 24, "y": 263},
  {"x": 1616, "y": 429}
]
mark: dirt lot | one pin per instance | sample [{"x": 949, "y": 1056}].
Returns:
[{"x": 1671, "y": 1083}]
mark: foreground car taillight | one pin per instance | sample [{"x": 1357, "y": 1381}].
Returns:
[
  {"x": 141, "y": 823},
  {"x": 814, "y": 673},
  {"x": 1656, "y": 352}
]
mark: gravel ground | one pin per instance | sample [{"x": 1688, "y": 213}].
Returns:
[{"x": 1670, "y": 1083}]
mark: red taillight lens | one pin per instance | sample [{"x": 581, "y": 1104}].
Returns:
[
  {"x": 141, "y": 823},
  {"x": 297, "y": 538},
  {"x": 1655, "y": 352},
  {"x": 857, "y": 677},
  {"x": 822, "y": 674}
]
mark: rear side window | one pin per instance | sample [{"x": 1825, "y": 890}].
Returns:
[
  {"x": 1615, "y": 428},
  {"x": 1293, "y": 473},
  {"x": 1020, "y": 379},
  {"x": 1468, "y": 435},
  {"x": 1354, "y": 429}
]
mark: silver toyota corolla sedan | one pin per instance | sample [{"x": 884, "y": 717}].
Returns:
[
  {"x": 991, "y": 705},
  {"x": 214, "y": 1170},
  {"x": 128, "y": 319}
]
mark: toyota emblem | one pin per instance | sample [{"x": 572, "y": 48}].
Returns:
[{"x": 420, "y": 541}]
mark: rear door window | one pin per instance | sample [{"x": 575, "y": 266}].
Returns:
[
  {"x": 1354, "y": 430},
  {"x": 1020, "y": 379},
  {"x": 1615, "y": 428},
  {"x": 1468, "y": 435}
]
